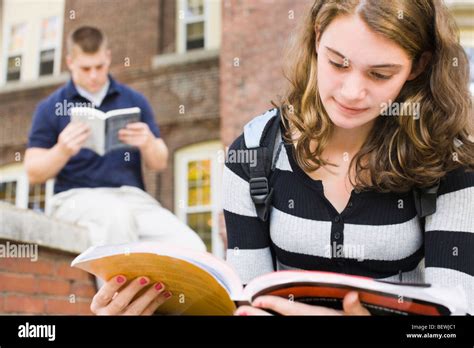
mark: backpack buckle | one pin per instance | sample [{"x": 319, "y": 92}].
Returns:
[
  {"x": 261, "y": 196},
  {"x": 259, "y": 189}
]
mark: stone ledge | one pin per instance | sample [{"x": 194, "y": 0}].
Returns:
[
  {"x": 173, "y": 59},
  {"x": 27, "y": 226},
  {"x": 42, "y": 82}
]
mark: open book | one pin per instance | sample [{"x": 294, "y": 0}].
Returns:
[
  {"x": 203, "y": 284},
  {"x": 105, "y": 126}
]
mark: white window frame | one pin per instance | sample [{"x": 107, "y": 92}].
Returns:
[
  {"x": 471, "y": 83},
  {"x": 7, "y": 28},
  {"x": 201, "y": 151},
  {"x": 182, "y": 23},
  {"x": 17, "y": 173},
  {"x": 57, "y": 46},
  {"x": 467, "y": 41}
]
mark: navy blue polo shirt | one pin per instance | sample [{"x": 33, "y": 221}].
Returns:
[{"x": 88, "y": 169}]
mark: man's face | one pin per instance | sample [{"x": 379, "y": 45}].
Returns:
[
  {"x": 89, "y": 70},
  {"x": 358, "y": 71}
]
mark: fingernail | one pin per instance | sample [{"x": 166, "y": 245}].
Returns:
[
  {"x": 120, "y": 279},
  {"x": 143, "y": 281},
  {"x": 167, "y": 294},
  {"x": 244, "y": 314},
  {"x": 158, "y": 287}
]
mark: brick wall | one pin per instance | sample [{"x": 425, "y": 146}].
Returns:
[
  {"x": 35, "y": 272},
  {"x": 254, "y": 32},
  {"x": 131, "y": 25},
  {"x": 16, "y": 112},
  {"x": 46, "y": 286}
]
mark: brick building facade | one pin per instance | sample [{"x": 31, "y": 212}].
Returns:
[{"x": 252, "y": 65}]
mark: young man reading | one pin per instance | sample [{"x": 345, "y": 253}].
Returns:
[{"x": 103, "y": 193}]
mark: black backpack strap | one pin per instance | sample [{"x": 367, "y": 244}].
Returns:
[
  {"x": 425, "y": 200},
  {"x": 260, "y": 136}
]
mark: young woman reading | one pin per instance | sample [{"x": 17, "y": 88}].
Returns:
[{"x": 351, "y": 159}]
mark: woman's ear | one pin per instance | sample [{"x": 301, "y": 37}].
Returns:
[{"x": 420, "y": 65}]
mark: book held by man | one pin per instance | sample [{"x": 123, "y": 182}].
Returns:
[
  {"x": 105, "y": 126},
  {"x": 203, "y": 284}
]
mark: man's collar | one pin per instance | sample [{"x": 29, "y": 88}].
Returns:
[
  {"x": 71, "y": 90},
  {"x": 113, "y": 87}
]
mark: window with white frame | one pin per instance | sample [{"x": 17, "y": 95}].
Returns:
[
  {"x": 49, "y": 42},
  {"x": 194, "y": 23},
  {"x": 197, "y": 192},
  {"x": 16, "y": 46},
  {"x": 15, "y": 189},
  {"x": 470, "y": 55},
  {"x": 31, "y": 42},
  {"x": 198, "y": 25}
]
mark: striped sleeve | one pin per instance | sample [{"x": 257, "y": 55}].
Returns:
[
  {"x": 449, "y": 239},
  {"x": 248, "y": 237}
]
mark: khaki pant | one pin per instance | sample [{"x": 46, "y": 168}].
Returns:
[{"x": 122, "y": 215}]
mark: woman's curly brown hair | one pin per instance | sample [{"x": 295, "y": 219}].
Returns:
[{"x": 400, "y": 152}]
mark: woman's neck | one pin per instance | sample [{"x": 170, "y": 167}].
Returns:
[{"x": 348, "y": 140}]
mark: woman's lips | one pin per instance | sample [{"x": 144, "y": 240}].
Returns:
[{"x": 349, "y": 111}]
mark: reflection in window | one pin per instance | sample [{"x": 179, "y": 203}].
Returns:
[
  {"x": 8, "y": 191},
  {"x": 46, "y": 62},
  {"x": 199, "y": 183},
  {"x": 195, "y": 35},
  {"x": 16, "y": 46},
  {"x": 199, "y": 217},
  {"x": 48, "y": 43},
  {"x": 14, "y": 68},
  {"x": 470, "y": 55},
  {"x": 37, "y": 197},
  {"x": 195, "y": 7},
  {"x": 201, "y": 223},
  {"x": 194, "y": 19}
]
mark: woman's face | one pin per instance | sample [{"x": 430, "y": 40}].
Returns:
[{"x": 358, "y": 71}]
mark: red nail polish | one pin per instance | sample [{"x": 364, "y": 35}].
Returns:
[
  {"x": 120, "y": 279},
  {"x": 158, "y": 287},
  {"x": 167, "y": 294},
  {"x": 143, "y": 281}
]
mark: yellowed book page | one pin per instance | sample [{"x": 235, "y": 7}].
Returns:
[{"x": 195, "y": 292}]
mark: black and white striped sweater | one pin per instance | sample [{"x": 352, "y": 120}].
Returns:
[{"x": 377, "y": 235}]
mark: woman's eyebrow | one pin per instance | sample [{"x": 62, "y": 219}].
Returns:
[{"x": 386, "y": 65}]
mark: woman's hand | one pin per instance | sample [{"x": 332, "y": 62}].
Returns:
[
  {"x": 351, "y": 305},
  {"x": 115, "y": 297}
]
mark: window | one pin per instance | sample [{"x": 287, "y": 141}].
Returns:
[
  {"x": 194, "y": 24},
  {"x": 470, "y": 55},
  {"x": 16, "y": 45},
  {"x": 48, "y": 45},
  {"x": 199, "y": 199},
  {"x": 31, "y": 42},
  {"x": 37, "y": 197},
  {"x": 8, "y": 191},
  {"x": 15, "y": 189},
  {"x": 198, "y": 25},
  {"x": 197, "y": 192}
]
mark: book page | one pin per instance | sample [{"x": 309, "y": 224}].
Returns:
[
  {"x": 328, "y": 289},
  {"x": 96, "y": 121}
]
